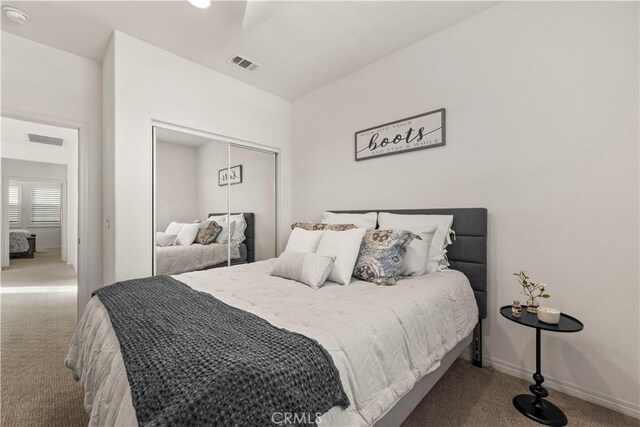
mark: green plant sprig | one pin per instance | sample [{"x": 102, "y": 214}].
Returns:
[{"x": 530, "y": 289}]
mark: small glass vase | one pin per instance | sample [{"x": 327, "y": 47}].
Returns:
[{"x": 532, "y": 305}]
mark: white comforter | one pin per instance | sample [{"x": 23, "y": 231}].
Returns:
[
  {"x": 382, "y": 339},
  {"x": 177, "y": 259}
]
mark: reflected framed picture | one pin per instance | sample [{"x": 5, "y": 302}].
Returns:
[{"x": 231, "y": 176}]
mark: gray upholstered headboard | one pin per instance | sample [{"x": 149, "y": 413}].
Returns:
[
  {"x": 249, "y": 234},
  {"x": 468, "y": 253}
]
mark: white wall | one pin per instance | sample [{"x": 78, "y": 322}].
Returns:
[
  {"x": 48, "y": 237},
  {"x": 153, "y": 84},
  {"x": 47, "y": 84},
  {"x": 255, "y": 194},
  {"x": 176, "y": 184},
  {"x": 108, "y": 163},
  {"x": 542, "y": 129}
]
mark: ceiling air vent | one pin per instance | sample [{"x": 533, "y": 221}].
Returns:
[
  {"x": 48, "y": 140},
  {"x": 244, "y": 63}
]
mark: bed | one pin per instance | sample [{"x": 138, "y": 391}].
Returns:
[
  {"x": 178, "y": 259},
  {"x": 389, "y": 344},
  {"x": 22, "y": 244}
]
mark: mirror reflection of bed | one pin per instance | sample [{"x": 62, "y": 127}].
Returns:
[{"x": 215, "y": 203}]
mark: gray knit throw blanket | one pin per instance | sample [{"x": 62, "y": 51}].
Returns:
[{"x": 193, "y": 360}]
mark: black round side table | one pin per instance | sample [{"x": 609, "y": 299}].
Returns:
[{"x": 536, "y": 407}]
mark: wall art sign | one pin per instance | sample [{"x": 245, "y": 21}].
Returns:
[
  {"x": 413, "y": 133},
  {"x": 231, "y": 176}
]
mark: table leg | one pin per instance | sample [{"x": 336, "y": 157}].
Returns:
[{"x": 536, "y": 407}]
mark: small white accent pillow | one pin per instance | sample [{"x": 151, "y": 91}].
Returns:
[
  {"x": 174, "y": 227},
  {"x": 345, "y": 247},
  {"x": 304, "y": 240},
  {"x": 239, "y": 229},
  {"x": 436, "y": 260},
  {"x": 367, "y": 220},
  {"x": 308, "y": 268},
  {"x": 187, "y": 234}
]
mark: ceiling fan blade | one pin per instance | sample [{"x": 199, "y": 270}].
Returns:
[{"x": 256, "y": 12}]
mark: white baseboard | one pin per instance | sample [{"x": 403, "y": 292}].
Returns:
[{"x": 615, "y": 404}]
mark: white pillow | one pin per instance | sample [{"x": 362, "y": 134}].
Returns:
[
  {"x": 344, "y": 246},
  {"x": 240, "y": 228},
  {"x": 367, "y": 220},
  {"x": 187, "y": 234},
  {"x": 415, "y": 260},
  {"x": 164, "y": 239},
  {"x": 227, "y": 229},
  {"x": 308, "y": 268},
  {"x": 304, "y": 240},
  {"x": 174, "y": 227},
  {"x": 436, "y": 260}
]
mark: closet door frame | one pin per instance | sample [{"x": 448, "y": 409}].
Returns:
[{"x": 231, "y": 141}]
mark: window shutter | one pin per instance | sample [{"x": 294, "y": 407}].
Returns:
[
  {"x": 45, "y": 204},
  {"x": 14, "y": 204}
]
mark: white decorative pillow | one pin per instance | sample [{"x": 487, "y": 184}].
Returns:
[
  {"x": 417, "y": 256},
  {"x": 187, "y": 234},
  {"x": 366, "y": 220},
  {"x": 174, "y": 227},
  {"x": 241, "y": 225},
  {"x": 303, "y": 240},
  {"x": 344, "y": 246},
  {"x": 164, "y": 239},
  {"x": 308, "y": 268},
  {"x": 436, "y": 260},
  {"x": 227, "y": 229}
]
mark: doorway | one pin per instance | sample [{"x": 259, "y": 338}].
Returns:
[{"x": 39, "y": 205}]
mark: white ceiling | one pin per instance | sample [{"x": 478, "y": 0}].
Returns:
[{"x": 300, "y": 45}]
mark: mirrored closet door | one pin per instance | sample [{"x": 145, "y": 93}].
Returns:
[
  {"x": 252, "y": 180},
  {"x": 214, "y": 202}
]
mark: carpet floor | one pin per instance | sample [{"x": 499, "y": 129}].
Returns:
[
  {"x": 37, "y": 390},
  {"x": 45, "y": 269}
]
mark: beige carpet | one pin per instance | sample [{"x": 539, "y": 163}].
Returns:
[
  {"x": 46, "y": 269},
  {"x": 468, "y": 396},
  {"x": 38, "y": 391}
]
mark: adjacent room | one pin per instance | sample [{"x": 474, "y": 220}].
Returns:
[{"x": 335, "y": 213}]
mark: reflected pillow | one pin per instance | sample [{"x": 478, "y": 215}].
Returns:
[
  {"x": 315, "y": 226},
  {"x": 227, "y": 229},
  {"x": 208, "y": 232},
  {"x": 187, "y": 234},
  {"x": 164, "y": 239},
  {"x": 241, "y": 225},
  {"x": 308, "y": 268},
  {"x": 381, "y": 256},
  {"x": 174, "y": 227}
]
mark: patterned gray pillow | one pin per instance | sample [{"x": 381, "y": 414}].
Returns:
[
  {"x": 381, "y": 255},
  {"x": 208, "y": 232},
  {"x": 315, "y": 226}
]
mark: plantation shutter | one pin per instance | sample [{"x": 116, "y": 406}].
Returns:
[
  {"x": 14, "y": 204},
  {"x": 45, "y": 203}
]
